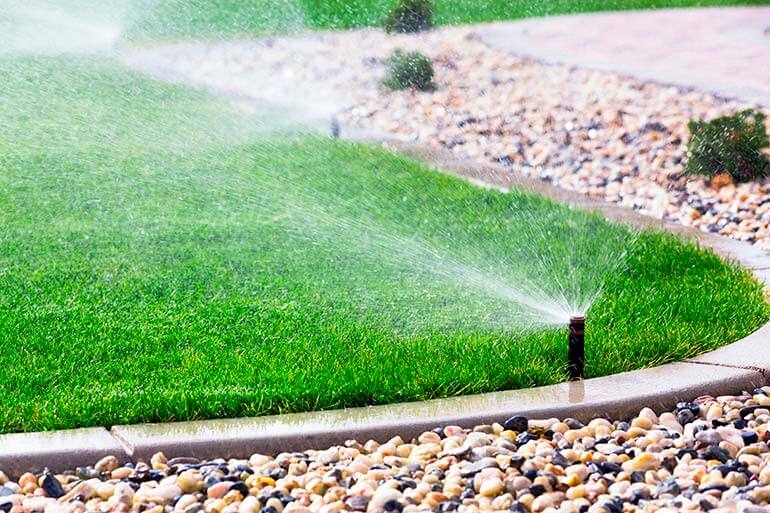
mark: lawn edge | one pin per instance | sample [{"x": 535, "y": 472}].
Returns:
[{"x": 744, "y": 364}]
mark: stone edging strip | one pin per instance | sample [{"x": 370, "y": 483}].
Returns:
[{"x": 742, "y": 365}]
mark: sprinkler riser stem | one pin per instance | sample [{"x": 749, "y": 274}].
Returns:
[{"x": 576, "y": 348}]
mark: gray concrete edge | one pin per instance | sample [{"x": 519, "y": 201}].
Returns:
[{"x": 737, "y": 366}]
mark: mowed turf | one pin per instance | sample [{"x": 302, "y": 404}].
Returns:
[
  {"x": 196, "y": 18},
  {"x": 163, "y": 257}
]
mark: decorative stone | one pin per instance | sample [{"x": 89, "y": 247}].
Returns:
[
  {"x": 516, "y": 423},
  {"x": 491, "y": 487},
  {"x": 385, "y": 500},
  {"x": 51, "y": 486},
  {"x": 106, "y": 464}
]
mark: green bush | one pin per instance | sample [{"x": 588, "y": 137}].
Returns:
[
  {"x": 409, "y": 16},
  {"x": 729, "y": 144},
  {"x": 409, "y": 69}
]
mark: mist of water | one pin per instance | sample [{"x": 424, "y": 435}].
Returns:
[
  {"x": 533, "y": 294},
  {"x": 47, "y": 28},
  {"x": 532, "y": 287}
]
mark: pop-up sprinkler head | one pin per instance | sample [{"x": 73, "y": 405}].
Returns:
[
  {"x": 576, "y": 353},
  {"x": 335, "y": 127}
]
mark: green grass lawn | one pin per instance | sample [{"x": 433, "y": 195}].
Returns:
[
  {"x": 185, "y": 18},
  {"x": 164, "y": 257}
]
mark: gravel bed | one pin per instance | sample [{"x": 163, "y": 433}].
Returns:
[
  {"x": 604, "y": 135},
  {"x": 711, "y": 454}
]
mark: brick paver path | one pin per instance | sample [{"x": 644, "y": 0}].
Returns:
[{"x": 723, "y": 50}]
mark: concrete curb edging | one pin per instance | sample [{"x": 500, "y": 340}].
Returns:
[
  {"x": 743, "y": 365},
  {"x": 57, "y": 450},
  {"x": 619, "y": 396}
]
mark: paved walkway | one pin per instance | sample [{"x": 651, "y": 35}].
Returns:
[{"x": 722, "y": 50}]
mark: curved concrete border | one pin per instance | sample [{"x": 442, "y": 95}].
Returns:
[{"x": 742, "y": 365}]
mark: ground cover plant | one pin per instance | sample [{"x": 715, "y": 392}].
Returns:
[
  {"x": 409, "y": 16},
  {"x": 734, "y": 144},
  {"x": 164, "y": 257},
  {"x": 409, "y": 69}
]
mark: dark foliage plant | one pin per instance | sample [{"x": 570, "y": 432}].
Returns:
[
  {"x": 409, "y": 16},
  {"x": 409, "y": 70},
  {"x": 729, "y": 144}
]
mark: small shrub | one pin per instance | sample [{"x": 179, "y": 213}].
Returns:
[
  {"x": 409, "y": 16},
  {"x": 729, "y": 144},
  {"x": 409, "y": 69}
]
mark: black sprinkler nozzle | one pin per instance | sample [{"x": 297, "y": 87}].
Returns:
[
  {"x": 335, "y": 128},
  {"x": 576, "y": 352}
]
